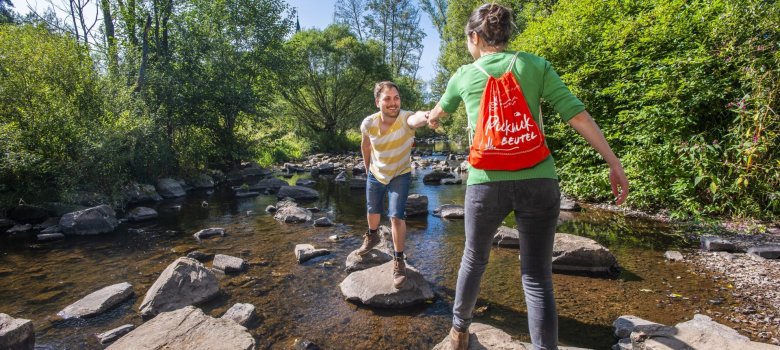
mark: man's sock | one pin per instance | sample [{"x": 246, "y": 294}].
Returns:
[
  {"x": 374, "y": 231},
  {"x": 398, "y": 255}
]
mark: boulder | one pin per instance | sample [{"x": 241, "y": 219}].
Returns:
[
  {"x": 91, "y": 221},
  {"x": 449, "y": 211},
  {"x": 228, "y": 263},
  {"x": 208, "y": 232},
  {"x": 326, "y": 168},
  {"x": 305, "y": 252},
  {"x": 141, "y": 214},
  {"x": 699, "y": 333},
  {"x": 765, "y": 251},
  {"x": 114, "y": 334},
  {"x": 184, "y": 282},
  {"x": 416, "y": 205},
  {"x": 98, "y": 302},
  {"x": 341, "y": 177},
  {"x": 579, "y": 254},
  {"x": 170, "y": 188},
  {"x": 138, "y": 193},
  {"x": 487, "y": 337},
  {"x": 434, "y": 177},
  {"x": 16, "y": 333},
  {"x": 292, "y": 215},
  {"x": 323, "y": 222},
  {"x": 507, "y": 237},
  {"x": 673, "y": 255},
  {"x": 717, "y": 244},
  {"x": 242, "y": 314},
  {"x": 187, "y": 328},
  {"x": 374, "y": 287},
  {"x": 202, "y": 181},
  {"x": 568, "y": 204},
  {"x": 271, "y": 184},
  {"x": 298, "y": 193}
]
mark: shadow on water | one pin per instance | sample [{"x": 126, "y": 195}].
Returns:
[{"x": 304, "y": 300}]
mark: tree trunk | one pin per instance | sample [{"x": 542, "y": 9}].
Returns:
[
  {"x": 144, "y": 54},
  {"x": 108, "y": 23}
]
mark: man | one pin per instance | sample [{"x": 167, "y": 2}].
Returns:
[{"x": 386, "y": 147}]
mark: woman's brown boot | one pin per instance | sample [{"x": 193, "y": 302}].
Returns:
[{"x": 459, "y": 340}]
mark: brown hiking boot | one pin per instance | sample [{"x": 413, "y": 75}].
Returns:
[
  {"x": 399, "y": 273},
  {"x": 459, "y": 340},
  {"x": 370, "y": 240}
]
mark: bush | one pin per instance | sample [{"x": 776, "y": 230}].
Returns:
[{"x": 685, "y": 92}]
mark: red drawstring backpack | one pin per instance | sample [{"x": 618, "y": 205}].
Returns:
[{"x": 506, "y": 137}]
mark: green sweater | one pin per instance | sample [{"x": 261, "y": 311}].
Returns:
[{"x": 538, "y": 81}]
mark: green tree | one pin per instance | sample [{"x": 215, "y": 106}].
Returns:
[
  {"x": 395, "y": 24},
  {"x": 6, "y": 15},
  {"x": 50, "y": 106},
  {"x": 328, "y": 86},
  {"x": 686, "y": 93}
]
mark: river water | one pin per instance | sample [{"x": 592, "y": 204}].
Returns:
[{"x": 304, "y": 301}]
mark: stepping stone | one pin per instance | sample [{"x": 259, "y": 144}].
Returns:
[
  {"x": 98, "y": 302},
  {"x": 141, "y": 214},
  {"x": 765, "y": 251},
  {"x": 305, "y": 252},
  {"x": 114, "y": 334},
  {"x": 673, "y": 255},
  {"x": 449, "y": 211},
  {"x": 485, "y": 337},
  {"x": 374, "y": 287},
  {"x": 184, "y": 282},
  {"x": 186, "y": 328},
  {"x": 228, "y": 263},
  {"x": 507, "y": 237},
  {"x": 209, "y": 232},
  {"x": 717, "y": 244},
  {"x": 573, "y": 253},
  {"x": 16, "y": 333}
]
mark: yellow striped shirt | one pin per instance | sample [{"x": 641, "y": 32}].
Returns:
[{"x": 391, "y": 150}]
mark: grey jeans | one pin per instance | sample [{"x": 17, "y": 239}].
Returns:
[{"x": 536, "y": 203}]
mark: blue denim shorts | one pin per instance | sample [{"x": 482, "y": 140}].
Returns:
[{"x": 397, "y": 193}]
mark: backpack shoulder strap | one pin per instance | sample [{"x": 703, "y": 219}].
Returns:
[
  {"x": 512, "y": 63},
  {"x": 481, "y": 69}
]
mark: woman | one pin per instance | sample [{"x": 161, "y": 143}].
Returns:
[{"x": 532, "y": 192}]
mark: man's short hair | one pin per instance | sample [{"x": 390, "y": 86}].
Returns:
[{"x": 382, "y": 85}]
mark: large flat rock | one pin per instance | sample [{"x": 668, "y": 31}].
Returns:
[
  {"x": 184, "y": 282},
  {"x": 374, "y": 287},
  {"x": 98, "y": 302},
  {"x": 699, "y": 333},
  {"x": 187, "y": 328},
  {"x": 579, "y": 254},
  {"x": 16, "y": 333},
  {"x": 485, "y": 337}
]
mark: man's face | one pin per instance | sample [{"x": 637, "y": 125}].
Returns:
[{"x": 389, "y": 102}]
